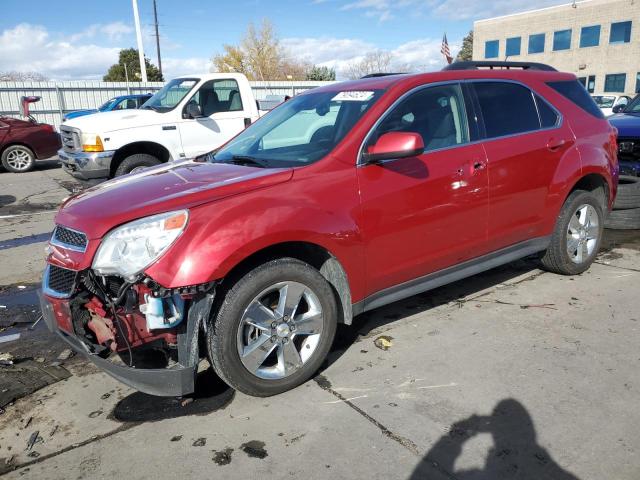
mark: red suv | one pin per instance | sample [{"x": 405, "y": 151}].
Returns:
[{"x": 343, "y": 199}]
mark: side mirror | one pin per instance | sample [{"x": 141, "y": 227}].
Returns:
[
  {"x": 193, "y": 110},
  {"x": 394, "y": 145},
  {"x": 618, "y": 108}
]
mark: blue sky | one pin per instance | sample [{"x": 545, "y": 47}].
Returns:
[{"x": 81, "y": 39}]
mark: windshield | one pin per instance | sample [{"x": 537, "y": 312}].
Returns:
[
  {"x": 604, "y": 101},
  {"x": 634, "y": 106},
  {"x": 107, "y": 105},
  {"x": 300, "y": 131},
  {"x": 170, "y": 95}
]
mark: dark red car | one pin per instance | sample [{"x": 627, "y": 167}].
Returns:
[
  {"x": 22, "y": 142},
  {"x": 343, "y": 199}
]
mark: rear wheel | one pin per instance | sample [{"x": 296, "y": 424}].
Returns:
[
  {"x": 18, "y": 159},
  {"x": 274, "y": 328},
  {"x": 136, "y": 163},
  {"x": 576, "y": 239}
]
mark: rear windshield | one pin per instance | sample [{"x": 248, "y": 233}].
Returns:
[{"x": 574, "y": 91}]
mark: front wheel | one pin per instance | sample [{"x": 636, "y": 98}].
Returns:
[
  {"x": 576, "y": 239},
  {"x": 274, "y": 328},
  {"x": 18, "y": 159},
  {"x": 136, "y": 163}
]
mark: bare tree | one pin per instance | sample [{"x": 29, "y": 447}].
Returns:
[
  {"x": 378, "y": 61},
  {"x": 260, "y": 57},
  {"x": 14, "y": 76}
]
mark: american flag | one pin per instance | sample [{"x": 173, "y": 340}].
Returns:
[{"x": 445, "y": 49}]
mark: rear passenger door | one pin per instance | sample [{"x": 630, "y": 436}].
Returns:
[
  {"x": 525, "y": 140},
  {"x": 223, "y": 117}
]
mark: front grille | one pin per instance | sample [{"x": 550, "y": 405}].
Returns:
[
  {"x": 629, "y": 148},
  {"x": 70, "y": 138},
  {"x": 67, "y": 238},
  {"x": 60, "y": 280}
]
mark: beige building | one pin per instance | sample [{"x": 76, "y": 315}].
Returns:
[{"x": 598, "y": 40}]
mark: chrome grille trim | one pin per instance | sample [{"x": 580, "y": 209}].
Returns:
[
  {"x": 69, "y": 239},
  {"x": 70, "y": 138}
]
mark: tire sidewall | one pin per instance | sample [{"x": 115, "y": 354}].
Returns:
[
  {"x": 573, "y": 202},
  {"x": 134, "y": 161},
  {"x": 13, "y": 148},
  {"x": 228, "y": 317}
]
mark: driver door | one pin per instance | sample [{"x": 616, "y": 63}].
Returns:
[
  {"x": 424, "y": 213},
  {"x": 223, "y": 117}
]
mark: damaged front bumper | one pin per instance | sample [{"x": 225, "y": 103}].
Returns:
[{"x": 175, "y": 380}]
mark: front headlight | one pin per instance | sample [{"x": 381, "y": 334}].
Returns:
[
  {"x": 91, "y": 142},
  {"x": 129, "y": 249}
]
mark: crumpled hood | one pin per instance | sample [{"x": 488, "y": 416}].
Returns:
[
  {"x": 103, "y": 122},
  {"x": 160, "y": 189},
  {"x": 628, "y": 125}
]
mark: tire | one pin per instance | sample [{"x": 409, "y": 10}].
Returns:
[
  {"x": 628, "y": 193},
  {"x": 228, "y": 331},
  {"x": 138, "y": 160},
  {"x": 628, "y": 219},
  {"x": 570, "y": 231},
  {"x": 18, "y": 159}
]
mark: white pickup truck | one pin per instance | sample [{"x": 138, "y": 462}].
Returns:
[{"x": 189, "y": 116}]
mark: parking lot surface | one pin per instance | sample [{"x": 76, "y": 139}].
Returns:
[{"x": 515, "y": 373}]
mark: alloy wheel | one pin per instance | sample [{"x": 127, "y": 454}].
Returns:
[
  {"x": 582, "y": 233},
  {"x": 18, "y": 159},
  {"x": 280, "y": 330}
]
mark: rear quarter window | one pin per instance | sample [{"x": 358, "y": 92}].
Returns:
[{"x": 576, "y": 93}]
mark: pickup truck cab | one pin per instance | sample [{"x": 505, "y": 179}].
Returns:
[
  {"x": 342, "y": 199},
  {"x": 123, "y": 102},
  {"x": 189, "y": 116}
]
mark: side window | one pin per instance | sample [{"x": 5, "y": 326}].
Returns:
[
  {"x": 574, "y": 92},
  {"x": 436, "y": 113},
  {"x": 507, "y": 108},
  {"x": 217, "y": 96},
  {"x": 548, "y": 116}
]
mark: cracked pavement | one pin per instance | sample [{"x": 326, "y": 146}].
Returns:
[{"x": 514, "y": 373}]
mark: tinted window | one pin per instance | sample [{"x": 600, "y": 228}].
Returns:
[
  {"x": 590, "y": 36},
  {"x": 436, "y": 113},
  {"x": 507, "y": 108},
  {"x": 573, "y": 91},
  {"x": 591, "y": 84},
  {"x": 562, "y": 40},
  {"x": 637, "y": 82},
  {"x": 491, "y": 49},
  {"x": 548, "y": 116},
  {"x": 620, "y": 32},
  {"x": 615, "y": 82},
  {"x": 513, "y": 46},
  {"x": 536, "y": 43}
]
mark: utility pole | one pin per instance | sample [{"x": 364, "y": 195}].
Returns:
[
  {"x": 155, "y": 18},
  {"x": 136, "y": 18}
]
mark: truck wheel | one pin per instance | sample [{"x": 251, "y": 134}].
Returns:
[
  {"x": 18, "y": 159},
  {"x": 136, "y": 163},
  {"x": 628, "y": 219},
  {"x": 628, "y": 193},
  {"x": 273, "y": 329},
  {"x": 576, "y": 239}
]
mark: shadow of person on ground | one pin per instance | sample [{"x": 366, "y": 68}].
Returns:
[{"x": 515, "y": 453}]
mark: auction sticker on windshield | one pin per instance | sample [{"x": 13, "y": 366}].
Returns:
[{"x": 353, "y": 96}]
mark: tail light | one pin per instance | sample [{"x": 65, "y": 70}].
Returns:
[{"x": 613, "y": 141}]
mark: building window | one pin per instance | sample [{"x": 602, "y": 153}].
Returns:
[
  {"x": 536, "y": 43},
  {"x": 590, "y": 36},
  {"x": 513, "y": 46},
  {"x": 562, "y": 40},
  {"x": 620, "y": 32},
  {"x": 591, "y": 84},
  {"x": 491, "y": 49},
  {"x": 583, "y": 81},
  {"x": 638, "y": 82},
  {"x": 615, "y": 82}
]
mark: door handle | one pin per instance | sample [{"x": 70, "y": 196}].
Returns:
[{"x": 555, "y": 144}]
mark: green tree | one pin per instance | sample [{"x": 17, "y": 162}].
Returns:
[
  {"x": 130, "y": 58},
  {"x": 321, "y": 74},
  {"x": 466, "y": 51}
]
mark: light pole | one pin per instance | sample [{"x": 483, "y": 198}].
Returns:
[{"x": 136, "y": 18}]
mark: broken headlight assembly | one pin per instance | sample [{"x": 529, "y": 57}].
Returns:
[{"x": 129, "y": 249}]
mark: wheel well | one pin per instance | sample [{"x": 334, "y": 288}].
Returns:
[
  {"x": 152, "y": 148},
  {"x": 315, "y": 255},
  {"x": 597, "y": 185}
]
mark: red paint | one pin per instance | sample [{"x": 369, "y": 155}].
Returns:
[
  {"x": 41, "y": 138},
  {"x": 384, "y": 223},
  {"x": 397, "y": 143}
]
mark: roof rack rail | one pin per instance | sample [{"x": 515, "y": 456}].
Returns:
[
  {"x": 476, "y": 65},
  {"x": 382, "y": 74}
]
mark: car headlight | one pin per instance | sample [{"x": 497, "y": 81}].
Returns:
[
  {"x": 129, "y": 249},
  {"x": 91, "y": 142}
]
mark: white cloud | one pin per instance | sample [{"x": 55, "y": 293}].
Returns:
[
  {"x": 174, "y": 67},
  {"x": 338, "y": 53},
  {"x": 113, "y": 31}
]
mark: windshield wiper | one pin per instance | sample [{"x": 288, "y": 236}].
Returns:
[{"x": 247, "y": 160}]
